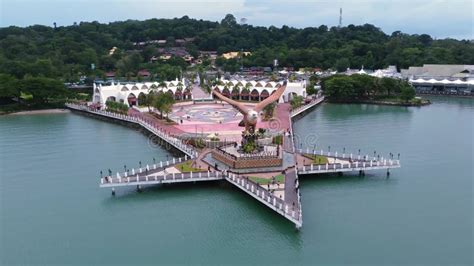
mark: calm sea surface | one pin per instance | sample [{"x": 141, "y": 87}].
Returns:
[{"x": 53, "y": 212}]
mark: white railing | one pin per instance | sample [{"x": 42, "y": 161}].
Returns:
[
  {"x": 149, "y": 169},
  {"x": 348, "y": 166},
  {"x": 345, "y": 156},
  {"x": 264, "y": 196},
  {"x": 137, "y": 179},
  {"x": 189, "y": 150},
  {"x": 304, "y": 107}
]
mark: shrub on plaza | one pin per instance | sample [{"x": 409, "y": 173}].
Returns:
[{"x": 116, "y": 107}]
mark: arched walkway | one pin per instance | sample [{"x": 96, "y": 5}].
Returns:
[
  {"x": 132, "y": 99},
  {"x": 141, "y": 99},
  {"x": 178, "y": 95},
  {"x": 111, "y": 99},
  {"x": 187, "y": 94},
  {"x": 235, "y": 94},
  {"x": 291, "y": 95},
  {"x": 264, "y": 95},
  {"x": 226, "y": 92},
  {"x": 254, "y": 95},
  {"x": 244, "y": 95}
]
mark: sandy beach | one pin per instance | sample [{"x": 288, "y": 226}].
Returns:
[{"x": 45, "y": 111}]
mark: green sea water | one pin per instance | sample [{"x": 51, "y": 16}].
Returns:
[{"x": 52, "y": 210}]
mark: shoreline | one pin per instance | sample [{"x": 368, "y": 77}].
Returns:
[{"x": 39, "y": 112}]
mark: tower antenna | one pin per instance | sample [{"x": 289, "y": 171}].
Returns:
[{"x": 340, "y": 17}]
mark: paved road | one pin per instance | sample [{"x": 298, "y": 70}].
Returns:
[{"x": 198, "y": 92}]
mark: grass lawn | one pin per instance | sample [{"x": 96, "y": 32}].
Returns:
[
  {"x": 317, "y": 159},
  {"x": 187, "y": 167},
  {"x": 263, "y": 181}
]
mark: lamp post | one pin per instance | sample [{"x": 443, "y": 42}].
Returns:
[
  {"x": 329, "y": 148},
  {"x": 140, "y": 164},
  {"x": 358, "y": 152},
  {"x": 125, "y": 168}
]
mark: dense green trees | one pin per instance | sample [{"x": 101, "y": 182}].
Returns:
[
  {"x": 342, "y": 88},
  {"x": 43, "y": 89},
  {"x": 9, "y": 87},
  {"x": 163, "y": 102},
  {"x": 68, "y": 51},
  {"x": 40, "y": 89}
]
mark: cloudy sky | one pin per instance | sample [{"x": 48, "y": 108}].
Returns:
[{"x": 439, "y": 18}]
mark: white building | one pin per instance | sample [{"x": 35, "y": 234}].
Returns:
[
  {"x": 129, "y": 93},
  {"x": 443, "y": 79},
  {"x": 259, "y": 90}
]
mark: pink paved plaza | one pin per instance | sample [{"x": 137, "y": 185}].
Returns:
[{"x": 223, "y": 119}]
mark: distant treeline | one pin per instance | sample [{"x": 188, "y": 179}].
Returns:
[{"x": 68, "y": 51}]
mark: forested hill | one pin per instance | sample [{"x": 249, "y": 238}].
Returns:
[{"x": 69, "y": 51}]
